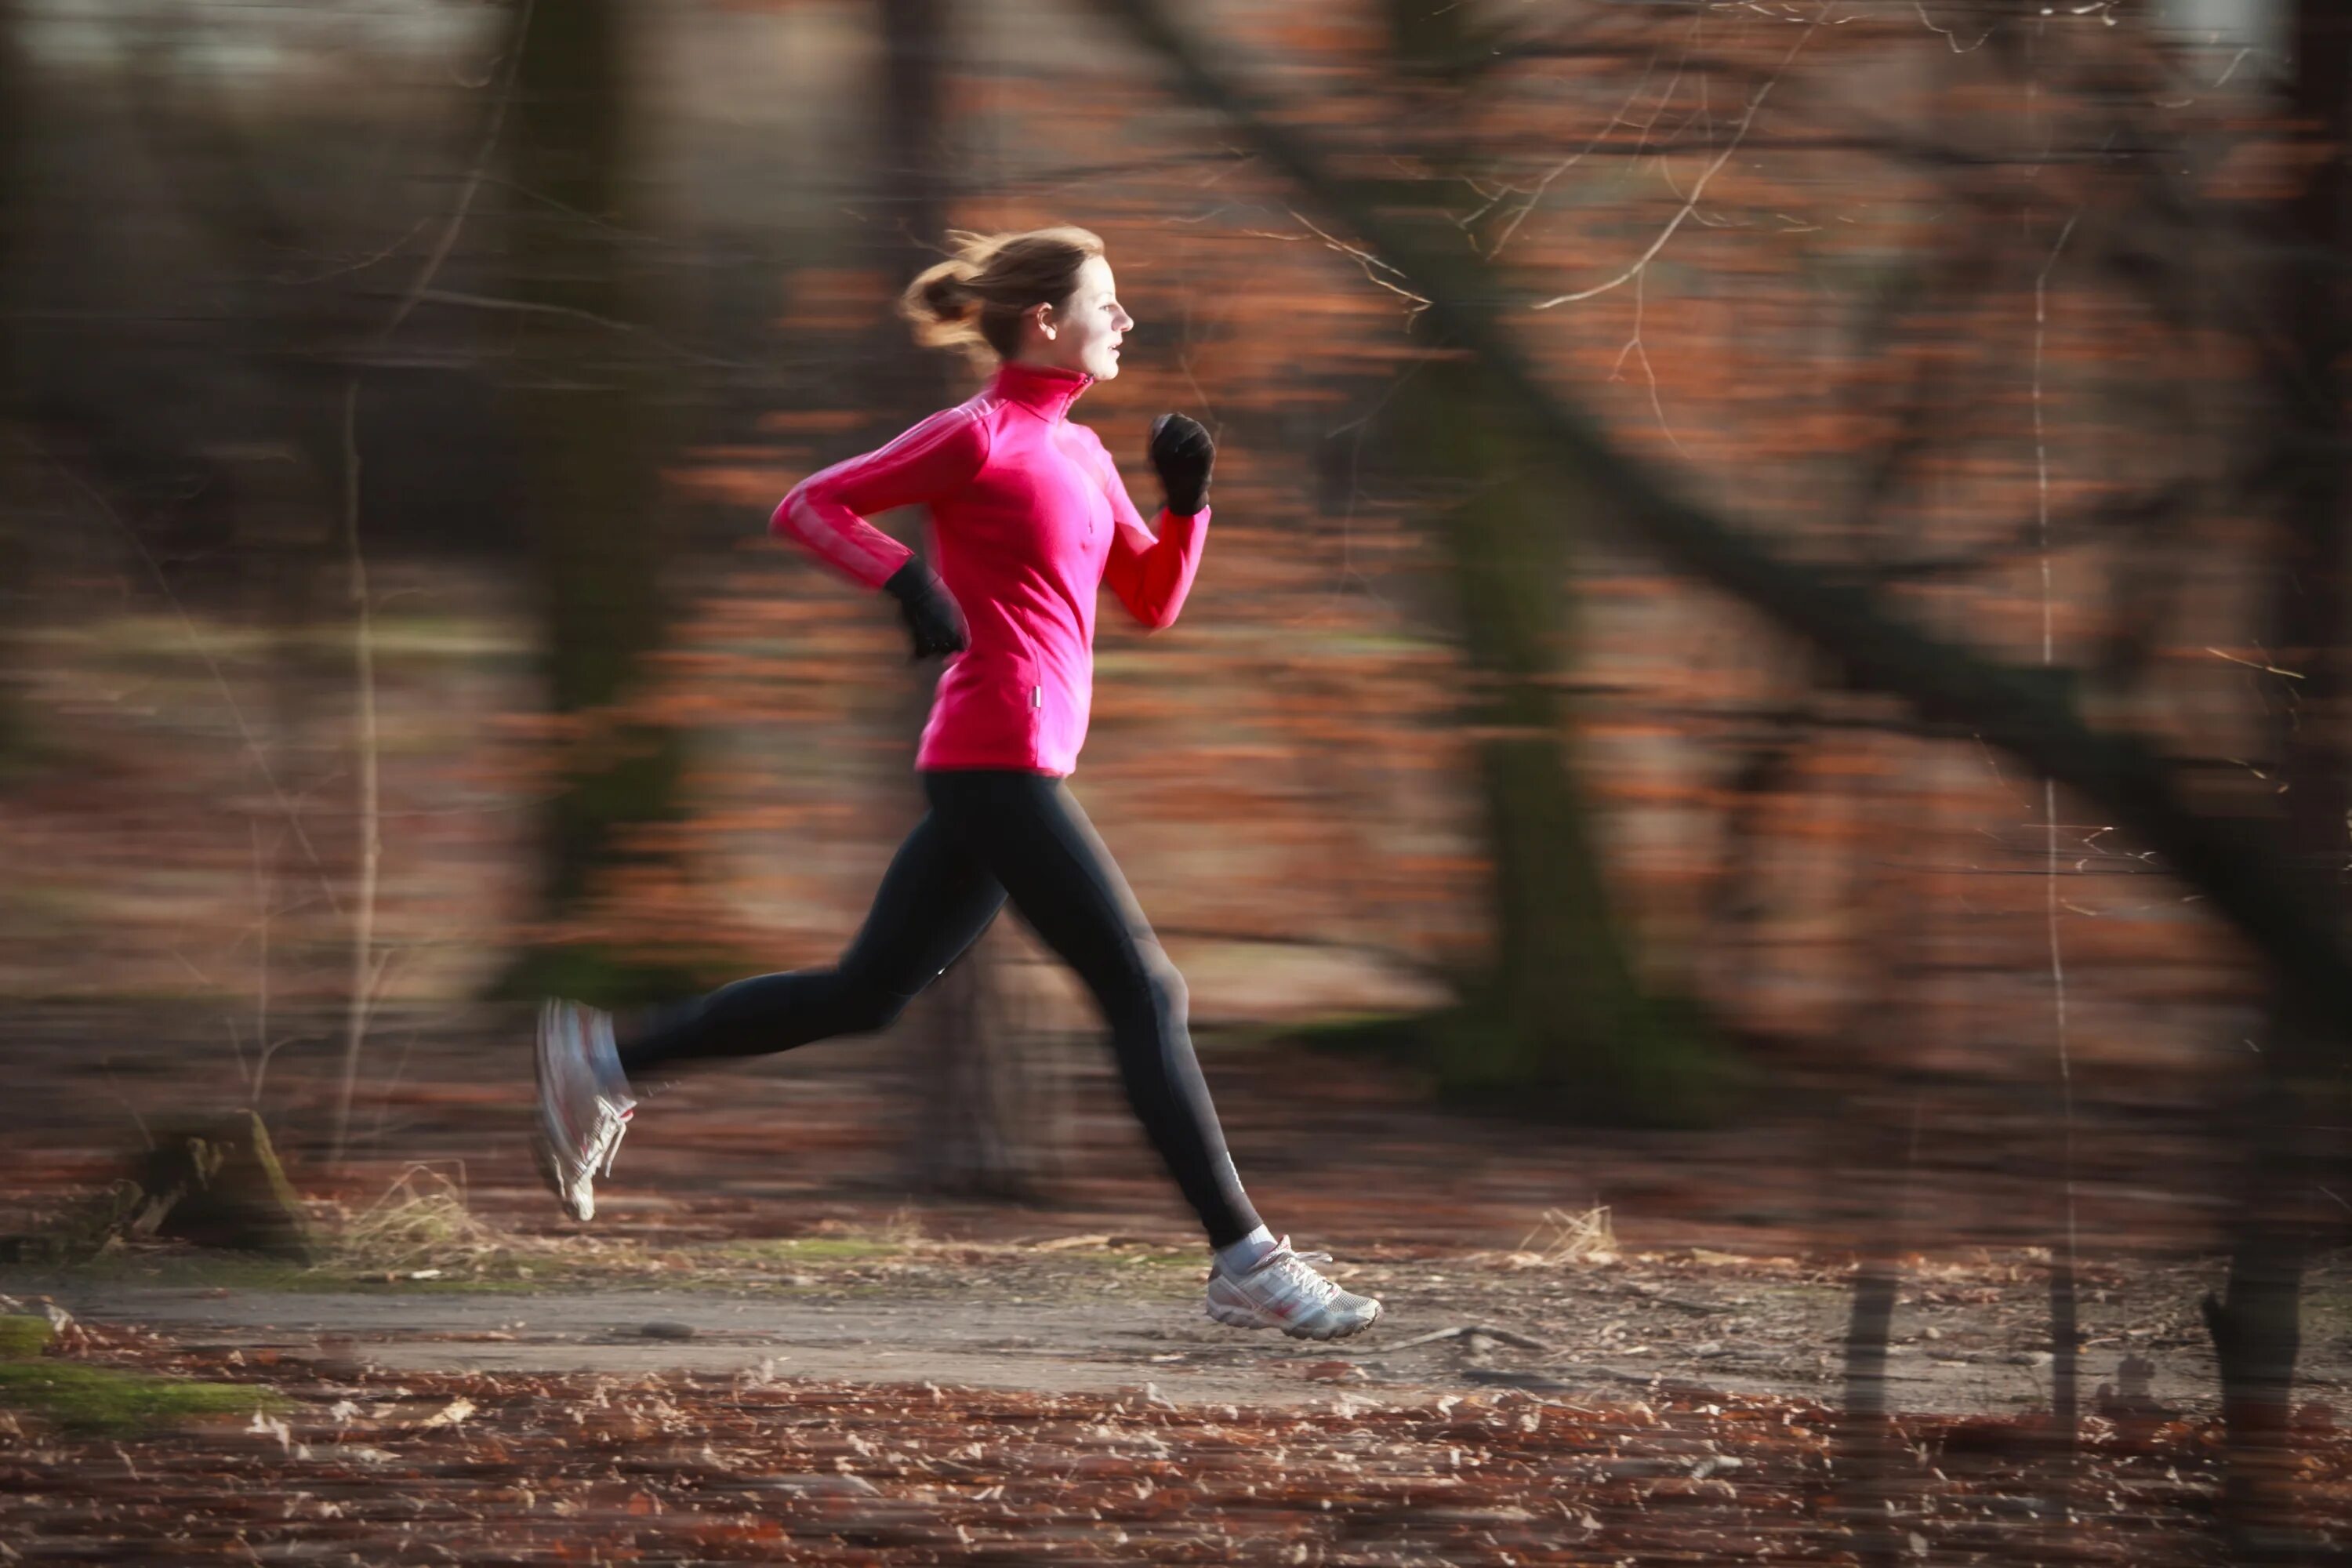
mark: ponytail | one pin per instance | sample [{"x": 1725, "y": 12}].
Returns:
[{"x": 975, "y": 300}]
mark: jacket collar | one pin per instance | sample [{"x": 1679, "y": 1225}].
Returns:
[{"x": 1043, "y": 390}]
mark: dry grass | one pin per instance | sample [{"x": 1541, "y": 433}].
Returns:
[
  {"x": 1561, "y": 1238},
  {"x": 423, "y": 1228}
]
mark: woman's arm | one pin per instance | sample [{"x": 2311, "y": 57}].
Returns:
[
  {"x": 825, "y": 513},
  {"x": 1150, "y": 575}
]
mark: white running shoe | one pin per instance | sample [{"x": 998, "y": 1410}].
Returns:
[
  {"x": 584, "y": 1104},
  {"x": 1282, "y": 1292}
]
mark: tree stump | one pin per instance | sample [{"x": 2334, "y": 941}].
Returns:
[{"x": 218, "y": 1183}]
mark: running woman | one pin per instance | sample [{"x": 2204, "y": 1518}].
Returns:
[{"x": 1029, "y": 520}]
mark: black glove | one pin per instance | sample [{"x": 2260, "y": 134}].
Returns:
[
  {"x": 1181, "y": 452},
  {"x": 932, "y": 618}
]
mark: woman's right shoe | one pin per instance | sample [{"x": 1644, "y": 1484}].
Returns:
[
  {"x": 581, "y": 1112},
  {"x": 1282, "y": 1292}
]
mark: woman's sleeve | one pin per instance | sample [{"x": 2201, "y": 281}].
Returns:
[
  {"x": 825, "y": 514},
  {"x": 1150, "y": 575}
]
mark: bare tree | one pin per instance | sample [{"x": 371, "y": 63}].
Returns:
[{"x": 2256, "y": 1324}]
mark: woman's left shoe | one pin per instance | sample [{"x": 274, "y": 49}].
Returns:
[{"x": 1283, "y": 1292}]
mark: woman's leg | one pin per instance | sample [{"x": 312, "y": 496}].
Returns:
[
  {"x": 934, "y": 901},
  {"x": 1031, "y": 836}
]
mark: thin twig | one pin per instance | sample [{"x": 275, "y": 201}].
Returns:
[
  {"x": 1699, "y": 188},
  {"x": 106, "y": 1066},
  {"x": 370, "y": 826},
  {"x": 2063, "y": 1267},
  {"x": 474, "y": 176},
  {"x": 264, "y": 889}
]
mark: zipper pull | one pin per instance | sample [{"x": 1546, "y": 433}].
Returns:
[{"x": 1037, "y": 697}]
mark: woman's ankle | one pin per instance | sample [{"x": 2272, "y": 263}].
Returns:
[{"x": 1241, "y": 1257}]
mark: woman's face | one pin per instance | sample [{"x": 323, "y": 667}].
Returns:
[{"x": 1083, "y": 332}]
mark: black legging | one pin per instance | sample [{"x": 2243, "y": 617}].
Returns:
[{"x": 987, "y": 835}]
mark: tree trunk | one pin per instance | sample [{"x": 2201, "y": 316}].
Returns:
[
  {"x": 14, "y": 88},
  {"x": 2256, "y": 1325},
  {"x": 1872, "y": 1155},
  {"x": 989, "y": 1121},
  {"x": 987, "y": 1126},
  {"x": 587, "y": 421},
  {"x": 1565, "y": 1008},
  {"x": 1865, "y": 1434}
]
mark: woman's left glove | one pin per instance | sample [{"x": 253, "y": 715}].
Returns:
[{"x": 1181, "y": 452}]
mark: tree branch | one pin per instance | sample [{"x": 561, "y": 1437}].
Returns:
[{"x": 2240, "y": 867}]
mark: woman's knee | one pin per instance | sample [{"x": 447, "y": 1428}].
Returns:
[
  {"x": 1159, "y": 990},
  {"x": 1168, "y": 988}
]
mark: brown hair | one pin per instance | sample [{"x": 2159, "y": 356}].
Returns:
[{"x": 976, "y": 298}]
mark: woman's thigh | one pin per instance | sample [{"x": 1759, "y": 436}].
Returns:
[
  {"x": 1032, "y": 839},
  {"x": 934, "y": 900}
]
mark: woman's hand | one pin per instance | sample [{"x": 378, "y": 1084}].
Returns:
[
  {"x": 931, "y": 616},
  {"x": 1181, "y": 452}
]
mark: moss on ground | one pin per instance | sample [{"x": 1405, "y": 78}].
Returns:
[
  {"x": 22, "y": 1337},
  {"x": 105, "y": 1400},
  {"x": 806, "y": 1265}
]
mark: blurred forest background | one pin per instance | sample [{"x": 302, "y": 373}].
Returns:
[{"x": 1775, "y": 565}]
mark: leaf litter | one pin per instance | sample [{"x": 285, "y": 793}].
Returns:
[{"x": 369, "y": 1466}]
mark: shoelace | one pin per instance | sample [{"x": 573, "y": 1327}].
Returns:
[
  {"x": 1292, "y": 1264},
  {"x": 609, "y": 1149}
]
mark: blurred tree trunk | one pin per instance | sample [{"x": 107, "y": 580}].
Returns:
[
  {"x": 1868, "y": 1488},
  {"x": 14, "y": 88},
  {"x": 587, "y": 418},
  {"x": 1870, "y": 1154},
  {"x": 2256, "y": 1326},
  {"x": 983, "y": 1126},
  {"x": 989, "y": 1119},
  {"x": 1565, "y": 1007}
]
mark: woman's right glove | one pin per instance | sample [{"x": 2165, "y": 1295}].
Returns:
[
  {"x": 1181, "y": 452},
  {"x": 932, "y": 618}
]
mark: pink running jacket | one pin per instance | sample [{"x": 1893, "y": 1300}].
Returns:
[{"x": 1029, "y": 519}]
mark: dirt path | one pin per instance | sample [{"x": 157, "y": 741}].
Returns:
[
  {"x": 1968, "y": 1339},
  {"x": 856, "y": 1399}
]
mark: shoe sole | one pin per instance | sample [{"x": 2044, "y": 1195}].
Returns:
[{"x": 1247, "y": 1317}]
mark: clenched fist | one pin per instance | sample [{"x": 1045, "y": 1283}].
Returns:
[{"x": 1182, "y": 454}]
